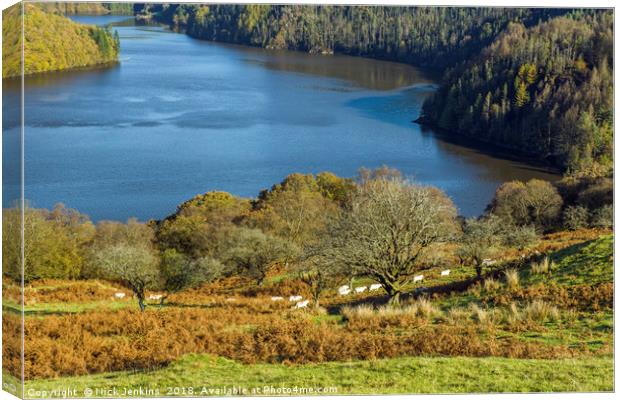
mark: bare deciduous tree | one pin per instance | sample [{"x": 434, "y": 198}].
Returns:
[
  {"x": 481, "y": 240},
  {"x": 389, "y": 225},
  {"x": 317, "y": 269}
]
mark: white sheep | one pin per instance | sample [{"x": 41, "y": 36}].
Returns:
[
  {"x": 418, "y": 278},
  {"x": 277, "y": 298},
  {"x": 360, "y": 289},
  {"x": 375, "y": 286},
  {"x": 119, "y": 295},
  {"x": 302, "y": 304},
  {"x": 445, "y": 272},
  {"x": 156, "y": 296},
  {"x": 294, "y": 298},
  {"x": 488, "y": 262},
  {"x": 231, "y": 299},
  {"x": 344, "y": 292}
]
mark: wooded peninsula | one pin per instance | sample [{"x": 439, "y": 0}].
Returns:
[{"x": 52, "y": 42}]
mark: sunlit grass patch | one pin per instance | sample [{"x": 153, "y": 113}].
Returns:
[
  {"x": 390, "y": 376},
  {"x": 587, "y": 263}
]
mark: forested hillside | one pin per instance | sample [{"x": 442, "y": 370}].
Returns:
[
  {"x": 52, "y": 42},
  {"x": 533, "y": 80},
  {"x": 424, "y": 36},
  {"x": 546, "y": 90},
  {"x": 88, "y": 8}
]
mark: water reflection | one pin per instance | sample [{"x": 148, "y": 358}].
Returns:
[{"x": 362, "y": 72}]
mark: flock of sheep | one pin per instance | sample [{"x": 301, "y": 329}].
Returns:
[
  {"x": 344, "y": 290},
  {"x": 121, "y": 295}
]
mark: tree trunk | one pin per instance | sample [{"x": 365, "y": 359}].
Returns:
[
  {"x": 316, "y": 297},
  {"x": 394, "y": 299},
  {"x": 479, "y": 270},
  {"x": 261, "y": 278},
  {"x": 394, "y": 292},
  {"x": 141, "y": 301}
]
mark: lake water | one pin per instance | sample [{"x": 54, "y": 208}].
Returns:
[{"x": 179, "y": 116}]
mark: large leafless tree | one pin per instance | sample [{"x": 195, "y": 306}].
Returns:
[{"x": 387, "y": 228}]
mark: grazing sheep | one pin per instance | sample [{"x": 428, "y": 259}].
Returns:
[
  {"x": 295, "y": 298},
  {"x": 156, "y": 296},
  {"x": 418, "y": 278},
  {"x": 360, "y": 289},
  {"x": 375, "y": 286},
  {"x": 445, "y": 272},
  {"x": 277, "y": 298},
  {"x": 119, "y": 295},
  {"x": 488, "y": 262},
  {"x": 344, "y": 290},
  {"x": 302, "y": 304}
]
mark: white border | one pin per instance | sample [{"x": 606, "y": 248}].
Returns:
[{"x": 481, "y": 3}]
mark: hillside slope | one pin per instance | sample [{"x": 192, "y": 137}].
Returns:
[
  {"x": 88, "y": 8},
  {"x": 52, "y": 43},
  {"x": 546, "y": 91}
]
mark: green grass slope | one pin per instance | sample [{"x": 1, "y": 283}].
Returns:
[
  {"x": 52, "y": 43},
  {"x": 586, "y": 263},
  {"x": 399, "y": 375}
]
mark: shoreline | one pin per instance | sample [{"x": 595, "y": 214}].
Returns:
[
  {"x": 488, "y": 148},
  {"x": 89, "y": 67}
]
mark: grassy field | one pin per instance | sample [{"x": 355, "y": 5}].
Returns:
[
  {"x": 548, "y": 331},
  {"x": 205, "y": 375}
]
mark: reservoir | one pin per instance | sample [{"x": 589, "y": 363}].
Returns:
[{"x": 179, "y": 116}]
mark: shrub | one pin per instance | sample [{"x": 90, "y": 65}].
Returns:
[
  {"x": 365, "y": 317},
  {"x": 491, "y": 285},
  {"x": 575, "y": 217},
  {"x": 362, "y": 311},
  {"x": 520, "y": 236},
  {"x": 457, "y": 315},
  {"x": 512, "y": 278},
  {"x": 535, "y": 202},
  {"x": 541, "y": 311},
  {"x": 423, "y": 308},
  {"x": 598, "y": 194},
  {"x": 603, "y": 217},
  {"x": 481, "y": 315},
  {"x": 513, "y": 315},
  {"x": 543, "y": 267},
  {"x": 475, "y": 289}
]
